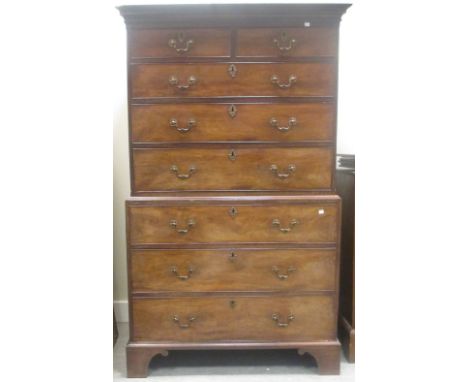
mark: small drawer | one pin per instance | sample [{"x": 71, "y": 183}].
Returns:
[
  {"x": 173, "y": 43},
  {"x": 289, "y": 42},
  {"x": 232, "y": 168},
  {"x": 232, "y": 122},
  {"x": 225, "y": 79},
  {"x": 171, "y": 223},
  {"x": 193, "y": 270},
  {"x": 192, "y": 319}
]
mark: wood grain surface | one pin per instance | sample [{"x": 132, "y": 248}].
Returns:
[
  {"x": 192, "y": 270},
  {"x": 234, "y": 318},
  {"x": 248, "y": 122},
  {"x": 152, "y": 80}
]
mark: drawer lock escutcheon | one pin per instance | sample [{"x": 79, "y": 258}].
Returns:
[
  {"x": 181, "y": 44},
  {"x": 181, "y": 325},
  {"x": 292, "y": 224},
  {"x": 182, "y": 277},
  {"x": 291, "y": 123},
  {"x": 283, "y": 276},
  {"x": 232, "y": 70},
  {"x": 232, "y": 155},
  {"x": 190, "y": 224},
  {"x": 276, "y": 317},
  {"x": 276, "y": 81},
  {"x": 232, "y": 111},
  {"x": 232, "y": 257}
]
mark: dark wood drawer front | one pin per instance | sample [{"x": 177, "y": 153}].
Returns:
[
  {"x": 232, "y": 168},
  {"x": 192, "y": 270},
  {"x": 232, "y": 122},
  {"x": 179, "y": 43},
  {"x": 289, "y": 42},
  {"x": 314, "y": 222},
  {"x": 211, "y": 80},
  {"x": 236, "y": 318}
]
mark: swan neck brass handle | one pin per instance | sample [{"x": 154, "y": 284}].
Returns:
[
  {"x": 174, "y": 81},
  {"x": 182, "y": 277},
  {"x": 175, "y": 170},
  {"x": 291, "y": 123},
  {"x": 283, "y": 276},
  {"x": 282, "y": 175},
  {"x": 276, "y": 317},
  {"x": 275, "y": 80},
  {"x": 190, "y": 224},
  {"x": 284, "y": 43},
  {"x": 292, "y": 224},
  {"x": 181, "y": 325},
  {"x": 191, "y": 123},
  {"x": 181, "y": 39}
]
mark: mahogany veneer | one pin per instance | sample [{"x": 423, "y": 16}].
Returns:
[
  {"x": 287, "y": 122},
  {"x": 226, "y": 270},
  {"x": 309, "y": 220},
  {"x": 234, "y": 229},
  {"x": 215, "y": 80},
  {"x": 232, "y": 168}
]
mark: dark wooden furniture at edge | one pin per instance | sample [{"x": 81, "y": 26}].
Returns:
[
  {"x": 345, "y": 179},
  {"x": 233, "y": 227}
]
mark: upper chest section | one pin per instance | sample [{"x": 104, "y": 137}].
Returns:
[{"x": 268, "y": 31}]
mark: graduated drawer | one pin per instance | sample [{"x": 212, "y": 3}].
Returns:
[
  {"x": 195, "y": 319},
  {"x": 172, "y": 223},
  {"x": 232, "y": 168},
  {"x": 232, "y": 122},
  {"x": 287, "y": 42},
  {"x": 148, "y": 42},
  {"x": 223, "y": 79},
  {"x": 210, "y": 270}
]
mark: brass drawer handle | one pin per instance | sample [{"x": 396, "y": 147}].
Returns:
[
  {"x": 182, "y": 277},
  {"x": 191, "y": 123},
  {"x": 283, "y": 276},
  {"x": 181, "y": 325},
  {"x": 174, "y": 81},
  {"x": 291, "y": 123},
  {"x": 283, "y": 44},
  {"x": 190, "y": 224},
  {"x": 181, "y": 39},
  {"x": 175, "y": 170},
  {"x": 275, "y": 80},
  {"x": 292, "y": 224},
  {"x": 282, "y": 175},
  {"x": 276, "y": 317}
]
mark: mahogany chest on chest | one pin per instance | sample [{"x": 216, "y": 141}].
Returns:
[{"x": 233, "y": 225}]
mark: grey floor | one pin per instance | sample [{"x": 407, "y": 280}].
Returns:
[{"x": 242, "y": 366}]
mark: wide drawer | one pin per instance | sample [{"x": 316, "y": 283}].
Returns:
[
  {"x": 232, "y": 122},
  {"x": 290, "y": 42},
  {"x": 286, "y": 221},
  {"x": 233, "y": 318},
  {"x": 232, "y": 168},
  {"x": 148, "y": 42},
  {"x": 193, "y": 270},
  {"x": 224, "y": 79}
]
